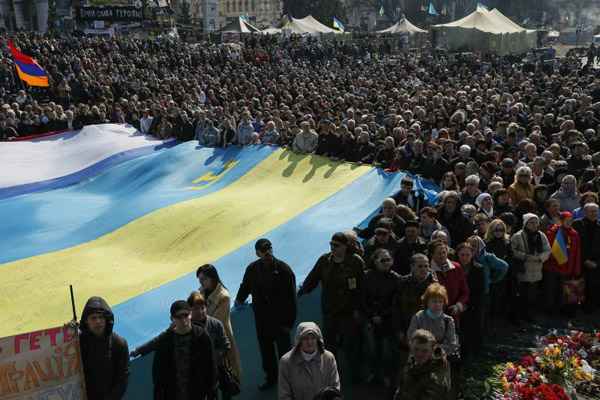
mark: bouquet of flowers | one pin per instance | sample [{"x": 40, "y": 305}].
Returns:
[{"x": 560, "y": 365}]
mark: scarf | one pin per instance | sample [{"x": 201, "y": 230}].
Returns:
[
  {"x": 534, "y": 242},
  {"x": 434, "y": 315},
  {"x": 308, "y": 356}
]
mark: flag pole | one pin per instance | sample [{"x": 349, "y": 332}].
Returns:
[{"x": 73, "y": 303}]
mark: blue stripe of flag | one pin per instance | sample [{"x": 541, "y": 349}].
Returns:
[
  {"x": 31, "y": 69},
  {"x": 560, "y": 238}
]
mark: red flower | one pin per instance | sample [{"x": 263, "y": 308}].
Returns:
[
  {"x": 550, "y": 392},
  {"x": 527, "y": 361}
]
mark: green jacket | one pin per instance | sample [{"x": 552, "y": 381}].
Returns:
[
  {"x": 342, "y": 284},
  {"x": 430, "y": 381}
]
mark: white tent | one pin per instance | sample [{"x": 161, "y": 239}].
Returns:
[
  {"x": 498, "y": 14},
  {"x": 307, "y": 25},
  {"x": 239, "y": 26},
  {"x": 485, "y": 30},
  {"x": 271, "y": 31},
  {"x": 403, "y": 26}
]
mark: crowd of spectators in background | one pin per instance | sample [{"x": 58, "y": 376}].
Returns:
[{"x": 515, "y": 151}]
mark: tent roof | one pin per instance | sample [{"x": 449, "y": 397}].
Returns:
[
  {"x": 485, "y": 21},
  {"x": 271, "y": 31},
  {"x": 403, "y": 26},
  {"x": 239, "y": 26},
  {"x": 498, "y": 14},
  {"x": 307, "y": 25}
]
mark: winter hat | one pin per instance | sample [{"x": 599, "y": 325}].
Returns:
[
  {"x": 340, "y": 237},
  {"x": 528, "y": 217},
  {"x": 384, "y": 224},
  {"x": 565, "y": 215},
  {"x": 179, "y": 305},
  {"x": 481, "y": 198}
]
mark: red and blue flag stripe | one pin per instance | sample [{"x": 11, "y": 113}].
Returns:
[{"x": 28, "y": 69}]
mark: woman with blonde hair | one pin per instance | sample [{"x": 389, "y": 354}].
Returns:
[
  {"x": 521, "y": 188},
  {"x": 433, "y": 318}
]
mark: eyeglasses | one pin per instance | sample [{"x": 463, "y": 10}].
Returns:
[
  {"x": 182, "y": 316},
  {"x": 385, "y": 260}
]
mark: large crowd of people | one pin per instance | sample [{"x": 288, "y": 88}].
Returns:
[{"x": 514, "y": 148}]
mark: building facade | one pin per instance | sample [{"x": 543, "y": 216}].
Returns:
[
  {"x": 24, "y": 15},
  {"x": 262, "y": 13}
]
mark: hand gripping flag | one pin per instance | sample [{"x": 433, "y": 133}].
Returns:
[
  {"x": 337, "y": 24},
  {"x": 28, "y": 69}
]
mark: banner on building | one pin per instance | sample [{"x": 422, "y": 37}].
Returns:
[
  {"x": 42, "y": 365},
  {"x": 111, "y": 13},
  {"x": 112, "y": 3}
]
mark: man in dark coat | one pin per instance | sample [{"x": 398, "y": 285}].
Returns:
[
  {"x": 589, "y": 231},
  {"x": 341, "y": 274},
  {"x": 212, "y": 326},
  {"x": 408, "y": 246},
  {"x": 184, "y": 365},
  {"x": 383, "y": 239},
  {"x": 272, "y": 284},
  {"x": 104, "y": 354}
]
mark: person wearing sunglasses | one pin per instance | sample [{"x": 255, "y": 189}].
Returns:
[
  {"x": 383, "y": 239},
  {"x": 380, "y": 286},
  {"x": 184, "y": 365},
  {"x": 341, "y": 274}
]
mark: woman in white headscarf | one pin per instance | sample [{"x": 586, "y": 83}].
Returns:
[{"x": 485, "y": 204}]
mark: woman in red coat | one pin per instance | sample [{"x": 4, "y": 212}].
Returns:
[
  {"x": 561, "y": 265},
  {"x": 452, "y": 277}
]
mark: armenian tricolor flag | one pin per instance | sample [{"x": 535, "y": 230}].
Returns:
[
  {"x": 559, "y": 248},
  {"x": 28, "y": 69}
]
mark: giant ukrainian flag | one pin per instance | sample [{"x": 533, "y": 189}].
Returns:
[{"x": 130, "y": 218}]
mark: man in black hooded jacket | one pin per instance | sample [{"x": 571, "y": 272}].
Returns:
[{"x": 105, "y": 354}]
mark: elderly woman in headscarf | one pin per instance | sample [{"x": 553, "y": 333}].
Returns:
[
  {"x": 485, "y": 204},
  {"x": 567, "y": 194},
  {"x": 308, "y": 368}
]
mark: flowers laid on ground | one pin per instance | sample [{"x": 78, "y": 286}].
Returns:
[{"x": 560, "y": 366}]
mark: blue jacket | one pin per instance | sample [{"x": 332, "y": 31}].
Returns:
[{"x": 494, "y": 268}]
